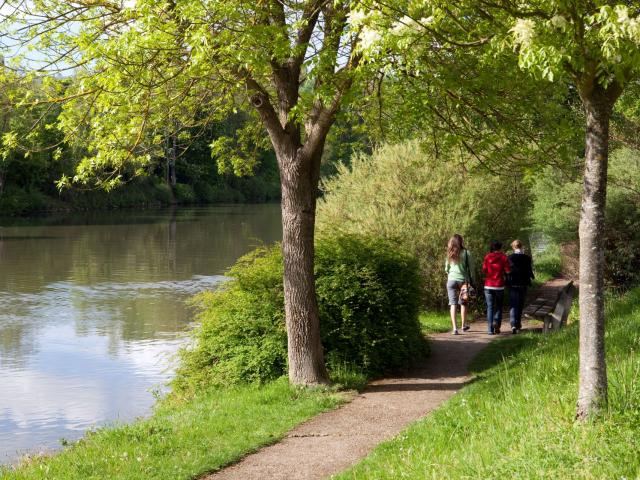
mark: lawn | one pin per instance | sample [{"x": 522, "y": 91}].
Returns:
[
  {"x": 183, "y": 440},
  {"x": 517, "y": 419}
]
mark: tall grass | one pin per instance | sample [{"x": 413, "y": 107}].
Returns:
[
  {"x": 517, "y": 419},
  {"x": 547, "y": 264}
]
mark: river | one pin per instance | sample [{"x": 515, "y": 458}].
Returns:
[{"x": 93, "y": 307}]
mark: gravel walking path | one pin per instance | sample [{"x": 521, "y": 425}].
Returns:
[{"x": 333, "y": 441}]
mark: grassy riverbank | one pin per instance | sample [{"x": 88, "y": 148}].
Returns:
[
  {"x": 517, "y": 419},
  {"x": 183, "y": 440}
]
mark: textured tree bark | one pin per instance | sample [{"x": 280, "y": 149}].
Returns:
[
  {"x": 592, "y": 391},
  {"x": 299, "y": 177}
]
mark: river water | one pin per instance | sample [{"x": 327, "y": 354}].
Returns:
[{"x": 93, "y": 307}]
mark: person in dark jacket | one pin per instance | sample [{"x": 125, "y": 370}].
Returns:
[
  {"x": 495, "y": 267},
  {"x": 521, "y": 276}
]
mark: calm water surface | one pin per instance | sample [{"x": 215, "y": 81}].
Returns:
[{"x": 92, "y": 309}]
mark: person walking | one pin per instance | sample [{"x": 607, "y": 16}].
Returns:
[
  {"x": 459, "y": 269},
  {"x": 521, "y": 276},
  {"x": 495, "y": 267}
]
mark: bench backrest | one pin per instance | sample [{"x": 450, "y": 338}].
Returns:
[{"x": 563, "y": 305}]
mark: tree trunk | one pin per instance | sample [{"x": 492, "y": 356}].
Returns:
[
  {"x": 299, "y": 179},
  {"x": 173, "y": 152},
  {"x": 592, "y": 392}
]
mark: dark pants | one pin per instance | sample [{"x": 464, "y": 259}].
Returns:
[
  {"x": 494, "y": 300},
  {"x": 516, "y": 305}
]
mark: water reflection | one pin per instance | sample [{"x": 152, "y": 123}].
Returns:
[{"x": 91, "y": 309}]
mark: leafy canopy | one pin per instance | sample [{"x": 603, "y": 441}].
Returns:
[{"x": 144, "y": 68}]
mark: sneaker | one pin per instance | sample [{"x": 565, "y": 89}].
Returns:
[
  {"x": 455, "y": 332},
  {"x": 489, "y": 333},
  {"x": 465, "y": 328},
  {"x": 514, "y": 330},
  {"x": 496, "y": 330}
]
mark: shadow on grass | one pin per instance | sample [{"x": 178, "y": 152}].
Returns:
[
  {"x": 415, "y": 387},
  {"x": 504, "y": 349}
]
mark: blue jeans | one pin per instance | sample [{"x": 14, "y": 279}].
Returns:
[
  {"x": 494, "y": 300},
  {"x": 516, "y": 305}
]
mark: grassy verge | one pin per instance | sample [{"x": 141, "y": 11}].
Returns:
[
  {"x": 517, "y": 419},
  {"x": 547, "y": 264},
  {"x": 435, "y": 322},
  {"x": 184, "y": 440}
]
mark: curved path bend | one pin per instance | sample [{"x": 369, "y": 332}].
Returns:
[{"x": 333, "y": 441}]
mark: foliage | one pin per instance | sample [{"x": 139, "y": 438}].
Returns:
[
  {"x": 29, "y": 171},
  {"x": 241, "y": 335},
  {"x": 556, "y": 210},
  {"x": 445, "y": 75},
  {"x": 183, "y": 439},
  {"x": 368, "y": 296},
  {"x": 435, "y": 322},
  {"x": 517, "y": 419},
  {"x": 547, "y": 264},
  {"x": 148, "y": 70},
  {"x": 184, "y": 193},
  {"x": 417, "y": 200}
]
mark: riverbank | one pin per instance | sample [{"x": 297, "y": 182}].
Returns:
[
  {"x": 184, "y": 439},
  {"x": 517, "y": 419},
  {"x": 92, "y": 306},
  {"x": 529, "y": 380},
  {"x": 139, "y": 193}
]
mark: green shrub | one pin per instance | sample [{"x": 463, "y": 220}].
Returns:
[
  {"x": 556, "y": 213},
  {"x": 162, "y": 193},
  {"x": 184, "y": 193},
  {"x": 417, "y": 201},
  {"x": 368, "y": 298},
  {"x": 18, "y": 201}
]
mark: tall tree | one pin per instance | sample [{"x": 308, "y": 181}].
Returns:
[
  {"x": 144, "y": 64},
  {"x": 595, "y": 47}
]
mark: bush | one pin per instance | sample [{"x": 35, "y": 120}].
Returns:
[
  {"x": 184, "y": 193},
  {"x": 368, "y": 298},
  {"x": 18, "y": 201},
  {"x": 417, "y": 201},
  {"x": 556, "y": 213}
]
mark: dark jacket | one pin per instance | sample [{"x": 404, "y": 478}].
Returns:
[{"x": 521, "y": 270}]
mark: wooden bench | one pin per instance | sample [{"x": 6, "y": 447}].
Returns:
[{"x": 553, "y": 308}]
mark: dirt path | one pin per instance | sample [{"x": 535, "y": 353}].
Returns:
[{"x": 331, "y": 442}]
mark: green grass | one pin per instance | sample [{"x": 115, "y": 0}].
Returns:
[
  {"x": 517, "y": 419},
  {"x": 435, "y": 321},
  {"x": 547, "y": 264},
  {"x": 184, "y": 440}
]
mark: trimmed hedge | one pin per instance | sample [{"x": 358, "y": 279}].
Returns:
[{"x": 369, "y": 298}]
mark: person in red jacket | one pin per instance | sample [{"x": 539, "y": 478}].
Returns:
[{"x": 495, "y": 266}]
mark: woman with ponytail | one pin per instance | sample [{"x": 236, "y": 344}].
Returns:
[{"x": 459, "y": 269}]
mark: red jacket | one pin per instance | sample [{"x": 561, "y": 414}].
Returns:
[{"x": 494, "y": 266}]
